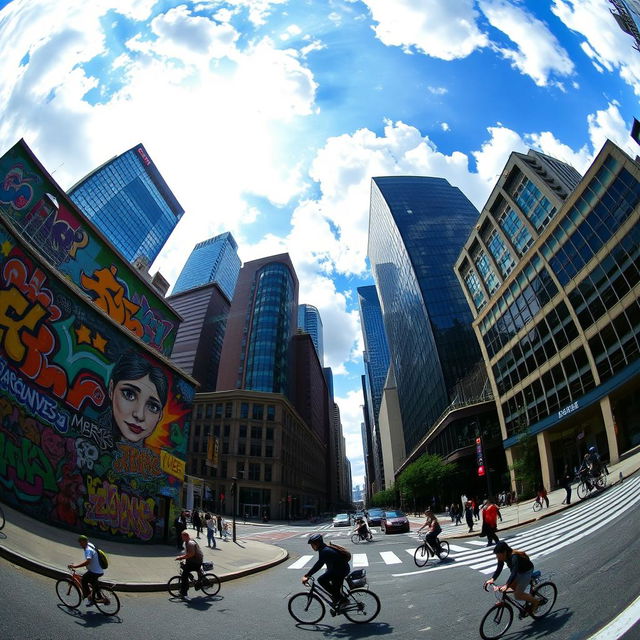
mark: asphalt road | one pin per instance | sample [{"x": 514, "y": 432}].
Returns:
[{"x": 594, "y": 563}]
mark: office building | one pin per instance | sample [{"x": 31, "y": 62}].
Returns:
[
  {"x": 416, "y": 228},
  {"x": 627, "y": 15},
  {"x": 310, "y": 321},
  {"x": 560, "y": 329},
  {"x": 130, "y": 202},
  {"x": 214, "y": 260}
]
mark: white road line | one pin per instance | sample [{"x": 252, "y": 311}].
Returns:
[
  {"x": 476, "y": 543},
  {"x": 457, "y": 549},
  {"x": 301, "y": 562},
  {"x": 390, "y": 558},
  {"x": 360, "y": 560},
  {"x": 620, "y": 624}
]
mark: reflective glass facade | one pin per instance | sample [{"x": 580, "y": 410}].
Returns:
[
  {"x": 214, "y": 260},
  {"x": 266, "y": 366},
  {"x": 129, "y": 201},
  {"x": 416, "y": 229},
  {"x": 310, "y": 321}
]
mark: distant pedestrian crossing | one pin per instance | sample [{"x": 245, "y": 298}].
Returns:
[{"x": 571, "y": 526}]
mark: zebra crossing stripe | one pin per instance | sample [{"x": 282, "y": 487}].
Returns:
[
  {"x": 457, "y": 549},
  {"x": 300, "y": 562},
  {"x": 360, "y": 560},
  {"x": 390, "y": 558},
  {"x": 476, "y": 543}
]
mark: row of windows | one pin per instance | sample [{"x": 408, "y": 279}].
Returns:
[
  {"x": 255, "y": 431},
  {"x": 257, "y": 411}
]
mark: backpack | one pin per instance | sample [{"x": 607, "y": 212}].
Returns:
[
  {"x": 341, "y": 550},
  {"x": 102, "y": 558}
]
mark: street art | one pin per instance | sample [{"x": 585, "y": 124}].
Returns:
[
  {"x": 87, "y": 414},
  {"x": 48, "y": 220}
]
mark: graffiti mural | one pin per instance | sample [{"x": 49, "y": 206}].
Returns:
[
  {"x": 32, "y": 201},
  {"x": 92, "y": 424}
]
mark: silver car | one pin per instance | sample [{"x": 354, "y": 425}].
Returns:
[{"x": 342, "y": 520}]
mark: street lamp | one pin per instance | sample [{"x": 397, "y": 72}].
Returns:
[{"x": 234, "y": 492}]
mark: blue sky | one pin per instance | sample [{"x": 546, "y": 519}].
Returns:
[{"x": 268, "y": 118}]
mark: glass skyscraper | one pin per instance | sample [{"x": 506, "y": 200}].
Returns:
[
  {"x": 417, "y": 227},
  {"x": 129, "y": 201},
  {"x": 309, "y": 319},
  {"x": 214, "y": 260}
]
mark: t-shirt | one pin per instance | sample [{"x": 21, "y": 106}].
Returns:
[
  {"x": 91, "y": 555},
  {"x": 192, "y": 544}
]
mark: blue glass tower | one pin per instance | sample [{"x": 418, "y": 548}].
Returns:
[
  {"x": 417, "y": 227},
  {"x": 214, "y": 260},
  {"x": 129, "y": 201},
  {"x": 309, "y": 319}
]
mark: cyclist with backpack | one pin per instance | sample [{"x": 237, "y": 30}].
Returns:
[
  {"x": 520, "y": 576},
  {"x": 192, "y": 562},
  {"x": 337, "y": 563},
  {"x": 94, "y": 569}
]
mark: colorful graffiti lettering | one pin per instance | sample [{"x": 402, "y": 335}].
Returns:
[
  {"x": 110, "y": 296},
  {"x": 24, "y": 468},
  {"x": 101, "y": 436},
  {"x": 156, "y": 329},
  {"x": 139, "y": 461},
  {"x": 15, "y": 272},
  {"x": 110, "y": 508},
  {"x": 15, "y": 189}
]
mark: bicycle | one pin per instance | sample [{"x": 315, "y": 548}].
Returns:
[
  {"x": 588, "y": 485},
  {"x": 208, "y": 583},
  {"x": 537, "y": 504},
  {"x": 357, "y": 539},
  {"x": 69, "y": 591},
  {"x": 359, "y": 605},
  {"x": 424, "y": 551},
  {"x": 498, "y": 619}
]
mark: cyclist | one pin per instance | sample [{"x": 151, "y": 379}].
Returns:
[
  {"x": 591, "y": 467},
  {"x": 337, "y": 568},
  {"x": 94, "y": 570},
  {"x": 362, "y": 528},
  {"x": 192, "y": 562},
  {"x": 431, "y": 523},
  {"x": 520, "y": 576}
]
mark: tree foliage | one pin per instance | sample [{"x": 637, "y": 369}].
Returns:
[
  {"x": 526, "y": 466},
  {"x": 424, "y": 478},
  {"x": 385, "y": 498}
]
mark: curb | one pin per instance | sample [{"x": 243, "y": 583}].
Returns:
[{"x": 57, "y": 574}]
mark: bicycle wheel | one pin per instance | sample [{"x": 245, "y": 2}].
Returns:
[
  {"x": 548, "y": 592},
  {"x": 601, "y": 483},
  {"x": 174, "y": 586},
  {"x": 444, "y": 549},
  {"x": 355, "y": 538},
  {"x": 421, "y": 555},
  {"x": 1, "y": 518},
  {"x": 68, "y": 593},
  {"x": 363, "y": 606},
  {"x": 537, "y": 506},
  {"x": 306, "y": 608},
  {"x": 108, "y": 603},
  {"x": 210, "y": 584},
  {"x": 583, "y": 491},
  {"x": 496, "y": 621}
]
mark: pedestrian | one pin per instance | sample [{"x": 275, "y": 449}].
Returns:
[
  {"x": 180, "y": 524},
  {"x": 468, "y": 514},
  {"x": 541, "y": 494},
  {"x": 566, "y": 484},
  {"x": 211, "y": 530},
  {"x": 225, "y": 529},
  {"x": 490, "y": 515},
  {"x": 219, "y": 523},
  {"x": 197, "y": 522},
  {"x": 476, "y": 509}
]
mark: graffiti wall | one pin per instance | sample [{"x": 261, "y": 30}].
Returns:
[
  {"x": 50, "y": 222},
  {"x": 93, "y": 427}
]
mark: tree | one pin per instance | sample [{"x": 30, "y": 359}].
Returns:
[
  {"x": 526, "y": 465},
  {"x": 385, "y": 498},
  {"x": 424, "y": 478}
]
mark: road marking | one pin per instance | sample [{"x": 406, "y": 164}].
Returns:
[
  {"x": 620, "y": 624},
  {"x": 476, "y": 543},
  {"x": 390, "y": 558},
  {"x": 455, "y": 547},
  {"x": 298, "y": 564},
  {"x": 360, "y": 560}
]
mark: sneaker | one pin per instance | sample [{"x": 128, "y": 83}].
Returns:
[{"x": 88, "y": 603}]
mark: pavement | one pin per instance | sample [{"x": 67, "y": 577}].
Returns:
[{"x": 48, "y": 550}]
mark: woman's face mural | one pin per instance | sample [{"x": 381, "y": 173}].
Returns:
[{"x": 136, "y": 407}]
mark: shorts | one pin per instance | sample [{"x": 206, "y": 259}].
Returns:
[{"x": 522, "y": 580}]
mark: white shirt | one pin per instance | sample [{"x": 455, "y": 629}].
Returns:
[{"x": 91, "y": 555}]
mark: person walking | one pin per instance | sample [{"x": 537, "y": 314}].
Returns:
[
  {"x": 490, "y": 515},
  {"x": 219, "y": 523},
  {"x": 197, "y": 522},
  {"x": 565, "y": 483},
  {"x": 541, "y": 494},
  {"x": 210, "y": 523},
  {"x": 468, "y": 514}
]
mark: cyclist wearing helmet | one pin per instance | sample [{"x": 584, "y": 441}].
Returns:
[
  {"x": 337, "y": 567},
  {"x": 362, "y": 528}
]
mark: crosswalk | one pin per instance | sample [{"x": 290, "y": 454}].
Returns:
[{"x": 574, "y": 524}]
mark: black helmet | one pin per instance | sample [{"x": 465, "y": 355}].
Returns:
[
  {"x": 592, "y": 449},
  {"x": 316, "y": 537}
]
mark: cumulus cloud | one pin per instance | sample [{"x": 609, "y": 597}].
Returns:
[
  {"x": 351, "y": 416},
  {"x": 445, "y": 30},
  {"x": 438, "y": 91},
  {"x": 538, "y": 54}
]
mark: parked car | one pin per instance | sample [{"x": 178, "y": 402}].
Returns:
[
  {"x": 395, "y": 522},
  {"x": 375, "y": 517},
  {"x": 342, "y": 520}
]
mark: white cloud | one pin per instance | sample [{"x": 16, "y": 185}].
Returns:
[
  {"x": 538, "y": 54},
  {"x": 606, "y": 44},
  {"x": 351, "y": 417},
  {"x": 446, "y": 30},
  {"x": 445, "y": 126},
  {"x": 438, "y": 91}
]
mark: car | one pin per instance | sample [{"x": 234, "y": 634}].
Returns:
[
  {"x": 342, "y": 520},
  {"x": 395, "y": 522},
  {"x": 375, "y": 517}
]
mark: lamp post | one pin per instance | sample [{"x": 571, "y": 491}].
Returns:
[{"x": 234, "y": 491}]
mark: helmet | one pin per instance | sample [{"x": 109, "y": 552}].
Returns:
[
  {"x": 316, "y": 537},
  {"x": 592, "y": 449}
]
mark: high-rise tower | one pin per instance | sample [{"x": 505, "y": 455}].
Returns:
[
  {"x": 309, "y": 319},
  {"x": 130, "y": 202}
]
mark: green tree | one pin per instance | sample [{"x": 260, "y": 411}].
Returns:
[
  {"x": 526, "y": 463},
  {"x": 424, "y": 478},
  {"x": 385, "y": 498}
]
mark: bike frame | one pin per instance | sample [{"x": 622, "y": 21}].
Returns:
[
  {"x": 318, "y": 590},
  {"x": 77, "y": 578}
]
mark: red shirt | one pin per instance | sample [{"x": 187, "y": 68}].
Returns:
[{"x": 490, "y": 515}]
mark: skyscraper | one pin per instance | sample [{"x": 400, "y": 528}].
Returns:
[
  {"x": 627, "y": 16},
  {"x": 416, "y": 228},
  {"x": 129, "y": 201},
  {"x": 376, "y": 363},
  {"x": 213, "y": 260},
  {"x": 309, "y": 319},
  {"x": 262, "y": 321}
]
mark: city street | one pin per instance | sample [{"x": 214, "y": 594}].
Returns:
[{"x": 590, "y": 551}]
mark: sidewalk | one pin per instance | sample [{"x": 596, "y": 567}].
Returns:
[
  {"x": 522, "y": 513},
  {"x": 48, "y": 550}
]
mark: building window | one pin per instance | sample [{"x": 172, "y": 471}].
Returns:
[
  {"x": 256, "y": 433},
  {"x": 242, "y": 433},
  {"x": 218, "y": 410},
  {"x": 475, "y": 289},
  {"x": 486, "y": 271},
  {"x": 255, "y": 449},
  {"x": 254, "y": 471},
  {"x": 501, "y": 253},
  {"x": 227, "y": 409},
  {"x": 258, "y": 410},
  {"x": 209, "y": 411},
  {"x": 268, "y": 451},
  {"x": 271, "y": 412},
  {"x": 242, "y": 448},
  {"x": 244, "y": 410},
  {"x": 267, "y": 473},
  {"x": 269, "y": 433}
]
